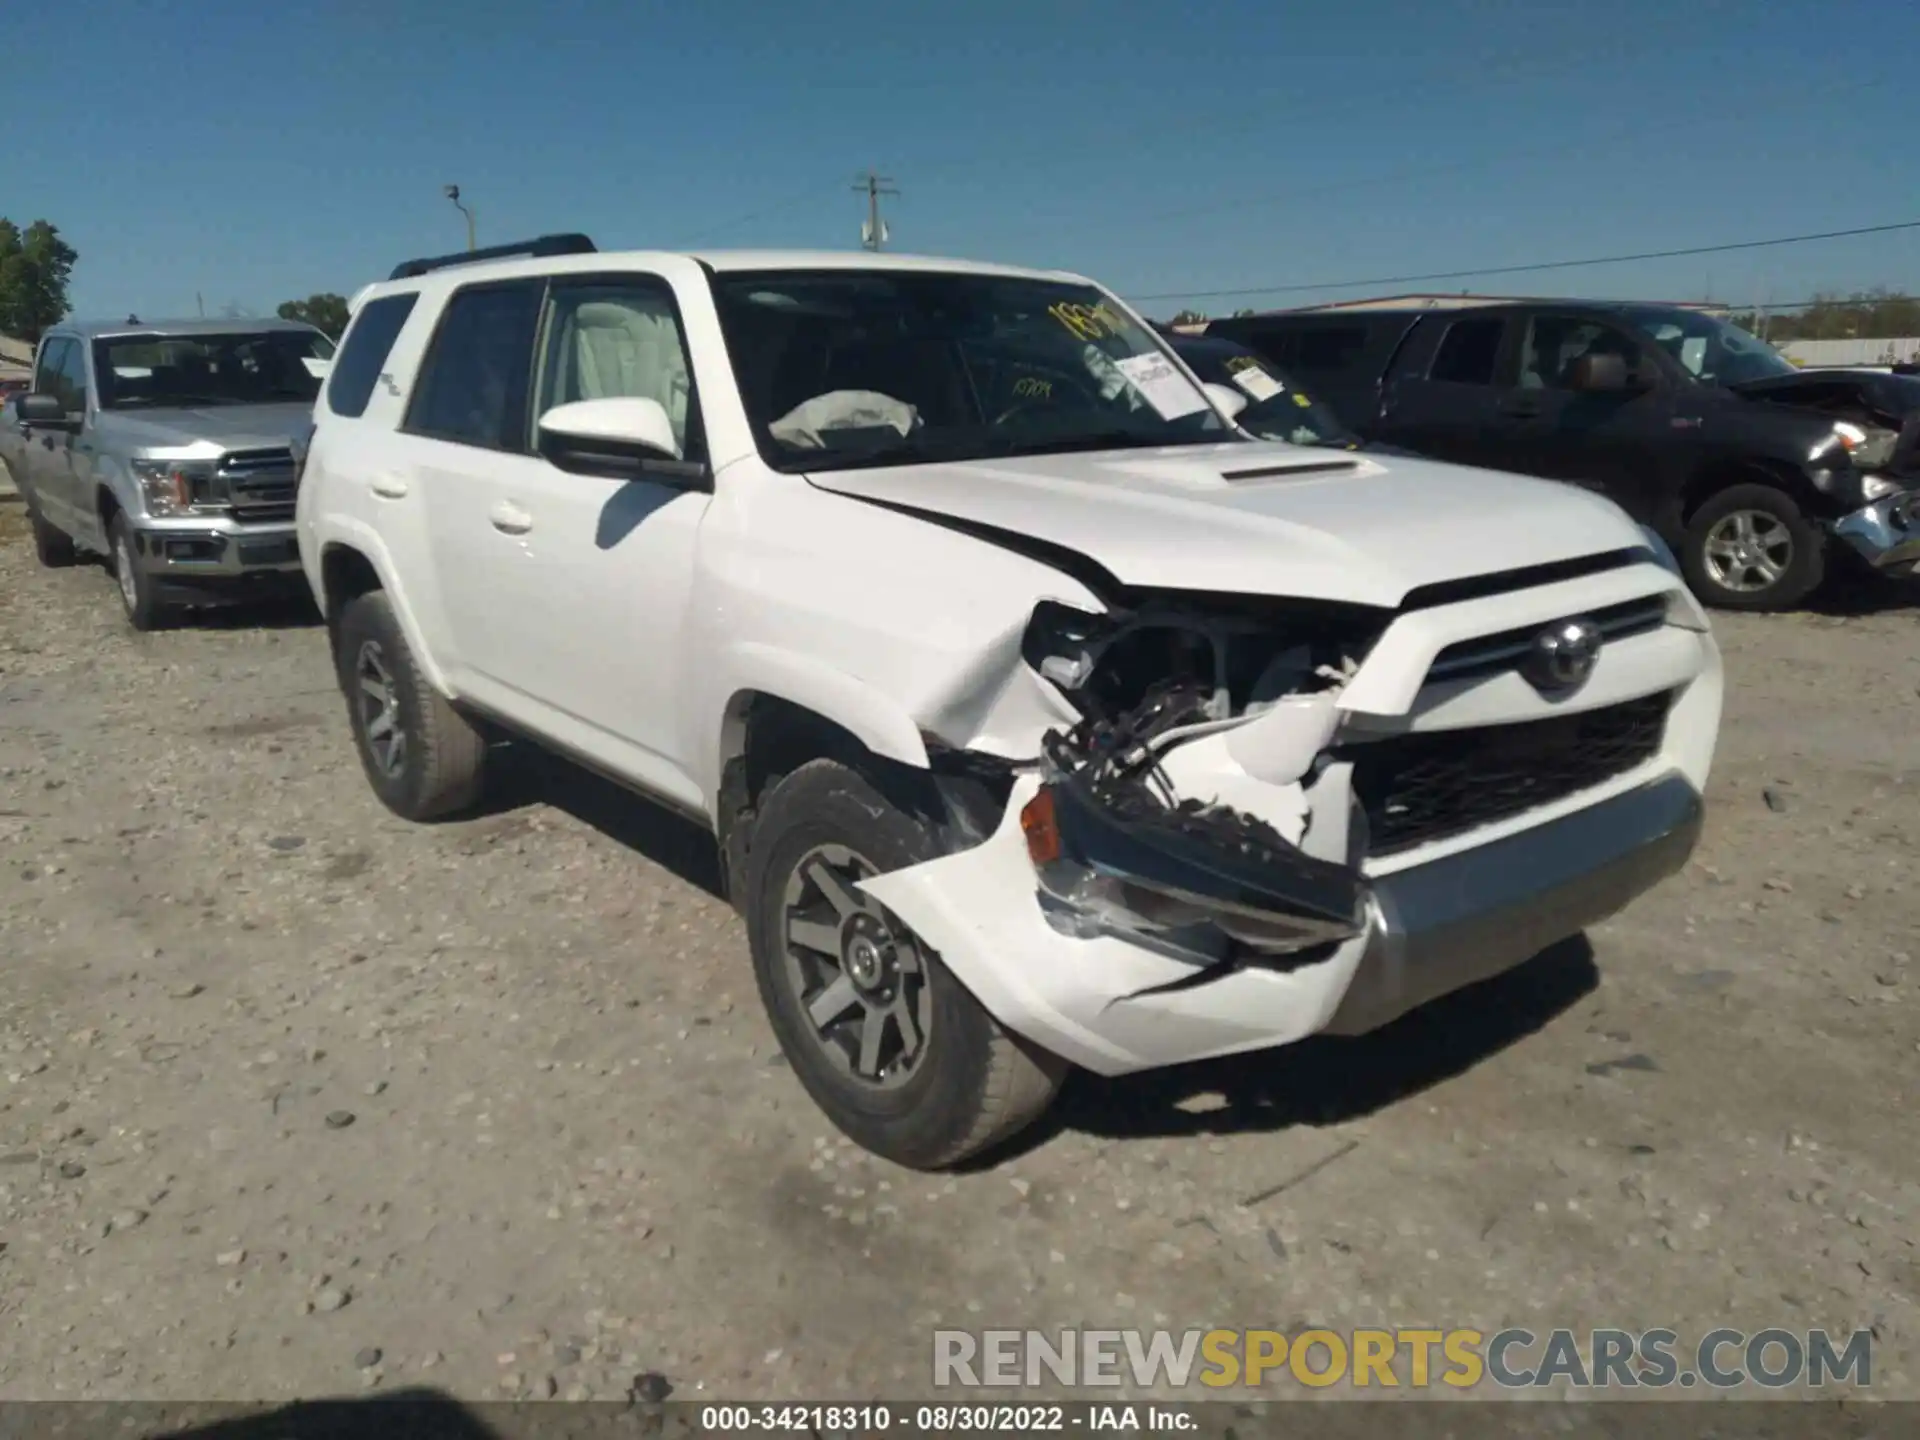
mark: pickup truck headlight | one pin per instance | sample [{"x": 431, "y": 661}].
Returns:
[{"x": 174, "y": 487}]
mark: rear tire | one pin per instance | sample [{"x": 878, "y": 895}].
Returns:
[
  {"x": 948, "y": 1081},
  {"x": 53, "y": 548},
  {"x": 424, "y": 759},
  {"x": 139, "y": 595},
  {"x": 1749, "y": 547}
]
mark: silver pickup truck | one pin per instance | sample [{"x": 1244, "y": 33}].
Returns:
[{"x": 167, "y": 449}]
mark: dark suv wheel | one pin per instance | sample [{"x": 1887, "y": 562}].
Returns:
[
  {"x": 1749, "y": 547},
  {"x": 891, "y": 1047},
  {"x": 423, "y": 758}
]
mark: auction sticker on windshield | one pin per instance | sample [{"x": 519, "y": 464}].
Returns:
[
  {"x": 1257, "y": 382},
  {"x": 1161, "y": 386}
]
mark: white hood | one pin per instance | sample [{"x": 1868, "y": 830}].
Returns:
[{"x": 1171, "y": 519}]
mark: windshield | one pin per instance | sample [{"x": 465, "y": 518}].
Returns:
[
  {"x": 1711, "y": 350},
  {"x": 252, "y": 367},
  {"x": 1276, "y": 408},
  {"x": 841, "y": 368}
]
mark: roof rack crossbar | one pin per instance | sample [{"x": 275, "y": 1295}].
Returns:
[{"x": 538, "y": 248}]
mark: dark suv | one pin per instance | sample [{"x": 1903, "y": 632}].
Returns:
[{"x": 1750, "y": 468}]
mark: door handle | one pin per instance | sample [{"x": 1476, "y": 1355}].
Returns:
[
  {"x": 388, "y": 487},
  {"x": 509, "y": 519},
  {"x": 1522, "y": 409}
]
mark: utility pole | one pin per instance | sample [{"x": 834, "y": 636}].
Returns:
[
  {"x": 873, "y": 234},
  {"x": 453, "y": 194}
]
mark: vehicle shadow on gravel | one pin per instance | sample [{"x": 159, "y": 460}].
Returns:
[
  {"x": 1855, "y": 591},
  {"x": 1326, "y": 1080},
  {"x": 521, "y": 774},
  {"x": 412, "y": 1414}
]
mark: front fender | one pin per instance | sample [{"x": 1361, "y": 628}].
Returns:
[{"x": 877, "y": 721}]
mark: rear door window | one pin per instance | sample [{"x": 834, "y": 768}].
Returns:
[
  {"x": 369, "y": 341},
  {"x": 1468, "y": 352},
  {"x": 473, "y": 385}
]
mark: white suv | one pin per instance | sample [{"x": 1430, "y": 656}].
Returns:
[{"x": 1041, "y": 717}]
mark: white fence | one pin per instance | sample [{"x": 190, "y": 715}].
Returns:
[{"x": 1821, "y": 353}]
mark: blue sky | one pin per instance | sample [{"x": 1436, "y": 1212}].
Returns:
[{"x": 250, "y": 153}]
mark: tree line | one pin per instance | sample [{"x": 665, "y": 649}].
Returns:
[{"x": 1864, "y": 315}]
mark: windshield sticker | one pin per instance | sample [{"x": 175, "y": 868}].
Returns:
[
  {"x": 1088, "y": 322},
  {"x": 1302, "y": 401},
  {"x": 1257, "y": 382},
  {"x": 1161, "y": 386},
  {"x": 1032, "y": 387}
]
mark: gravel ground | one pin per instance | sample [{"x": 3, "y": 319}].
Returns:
[{"x": 296, "y": 1098}]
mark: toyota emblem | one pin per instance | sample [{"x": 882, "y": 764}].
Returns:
[{"x": 1561, "y": 656}]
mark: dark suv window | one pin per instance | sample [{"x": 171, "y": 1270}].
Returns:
[
  {"x": 1331, "y": 347},
  {"x": 1468, "y": 352},
  {"x": 368, "y": 343},
  {"x": 473, "y": 381}
]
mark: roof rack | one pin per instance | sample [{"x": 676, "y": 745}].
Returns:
[{"x": 535, "y": 249}]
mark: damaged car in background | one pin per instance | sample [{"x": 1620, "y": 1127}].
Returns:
[
  {"x": 1042, "y": 718},
  {"x": 1757, "y": 474}
]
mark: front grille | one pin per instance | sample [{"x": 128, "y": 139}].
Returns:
[
  {"x": 1417, "y": 789},
  {"x": 260, "y": 483},
  {"x": 1495, "y": 654}
]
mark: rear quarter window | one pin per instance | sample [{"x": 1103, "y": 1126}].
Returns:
[{"x": 363, "y": 353}]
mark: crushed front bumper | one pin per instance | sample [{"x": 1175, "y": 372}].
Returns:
[
  {"x": 1469, "y": 916},
  {"x": 1112, "y": 1004},
  {"x": 1886, "y": 533}
]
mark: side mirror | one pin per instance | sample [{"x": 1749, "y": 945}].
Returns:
[
  {"x": 620, "y": 438},
  {"x": 1227, "y": 400},
  {"x": 44, "y": 410}
]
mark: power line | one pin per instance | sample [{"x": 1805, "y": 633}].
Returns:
[
  {"x": 1481, "y": 72},
  {"x": 1532, "y": 268},
  {"x": 818, "y": 188}
]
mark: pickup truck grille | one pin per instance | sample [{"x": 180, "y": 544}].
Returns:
[
  {"x": 260, "y": 483},
  {"x": 1417, "y": 789},
  {"x": 1486, "y": 655}
]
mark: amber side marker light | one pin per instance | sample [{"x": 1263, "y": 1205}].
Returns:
[{"x": 1041, "y": 827}]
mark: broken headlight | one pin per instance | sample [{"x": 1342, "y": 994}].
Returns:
[
  {"x": 1867, "y": 447},
  {"x": 1239, "y": 652}
]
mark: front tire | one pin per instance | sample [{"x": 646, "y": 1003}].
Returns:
[
  {"x": 139, "y": 594},
  {"x": 423, "y": 758},
  {"x": 1749, "y": 547},
  {"x": 895, "y": 1051}
]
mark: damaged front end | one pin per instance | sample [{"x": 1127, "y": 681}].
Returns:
[{"x": 1120, "y": 849}]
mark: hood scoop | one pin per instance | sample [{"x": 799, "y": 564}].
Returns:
[{"x": 1310, "y": 467}]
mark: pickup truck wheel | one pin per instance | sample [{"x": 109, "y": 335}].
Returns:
[
  {"x": 1749, "y": 547},
  {"x": 137, "y": 590},
  {"x": 895, "y": 1050},
  {"x": 53, "y": 548},
  {"x": 423, "y": 758}
]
